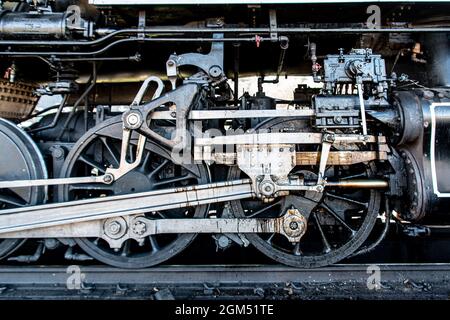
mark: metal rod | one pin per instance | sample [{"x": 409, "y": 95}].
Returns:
[
  {"x": 362, "y": 108},
  {"x": 236, "y": 73},
  {"x": 93, "y": 81},
  {"x": 359, "y": 183},
  {"x": 111, "y": 33},
  {"x": 55, "y": 118},
  {"x": 109, "y": 46},
  {"x": 58, "y": 181},
  {"x": 47, "y": 215}
]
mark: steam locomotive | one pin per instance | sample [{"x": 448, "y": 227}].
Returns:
[{"x": 125, "y": 130}]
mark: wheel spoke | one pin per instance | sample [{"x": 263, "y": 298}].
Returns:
[
  {"x": 173, "y": 180},
  {"x": 110, "y": 150},
  {"x": 154, "y": 243},
  {"x": 322, "y": 234},
  {"x": 126, "y": 249},
  {"x": 162, "y": 215},
  {"x": 359, "y": 175},
  {"x": 269, "y": 240},
  {"x": 130, "y": 151},
  {"x": 296, "y": 250},
  {"x": 338, "y": 218},
  {"x": 264, "y": 209},
  {"x": 335, "y": 196},
  {"x": 92, "y": 163},
  {"x": 158, "y": 169},
  {"x": 94, "y": 156},
  {"x": 145, "y": 161},
  {"x": 12, "y": 200}
]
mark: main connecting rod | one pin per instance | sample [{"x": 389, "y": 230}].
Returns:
[{"x": 48, "y": 215}]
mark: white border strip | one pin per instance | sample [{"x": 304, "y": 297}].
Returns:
[{"x": 433, "y": 106}]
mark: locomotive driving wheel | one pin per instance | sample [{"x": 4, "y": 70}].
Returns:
[
  {"x": 20, "y": 159},
  {"x": 339, "y": 220},
  {"x": 99, "y": 149}
]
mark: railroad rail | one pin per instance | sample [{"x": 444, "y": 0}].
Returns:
[{"x": 342, "y": 281}]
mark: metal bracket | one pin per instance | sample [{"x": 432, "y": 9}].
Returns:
[
  {"x": 328, "y": 140},
  {"x": 266, "y": 165},
  {"x": 124, "y": 165},
  {"x": 141, "y": 24},
  {"x": 273, "y": 25},
  {"x": 144, "y": 87},
  {"x": 134, "y": 120},
  {"x": 182, "y": 98},
  {"x": 211, "y": 63}
]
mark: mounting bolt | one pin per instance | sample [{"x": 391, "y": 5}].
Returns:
[
  {"x": 114, "y": 227},
  {"x": 293, "y": 225},
  {"x": 108, "y": 178},
  {"x": 319, "y": 188},
  {"x": 139, "y": 228},
  {"x": 132, "y": 119},
  {"x": 215, "y": 71},
  {"x": 57, "y": 152}
]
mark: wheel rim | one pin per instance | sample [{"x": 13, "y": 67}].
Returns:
[
  {"x": 339, "y": 223},
  {"x": 21, "y": 159},
  {"x": 156, "y": 171}
]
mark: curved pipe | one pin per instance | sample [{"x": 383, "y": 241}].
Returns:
[
  {"x": 109, "y": 46},
  {"x": 382, "y": 235}
]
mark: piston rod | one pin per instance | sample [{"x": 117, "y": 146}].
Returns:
[{"x": 359, "y": 183}]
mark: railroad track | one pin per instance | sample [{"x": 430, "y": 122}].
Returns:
[{"x": 342, "y": 281}]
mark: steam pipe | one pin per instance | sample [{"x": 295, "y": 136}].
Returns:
[
  {"x": 111, "y": 33},
  {"x": 112, "y": 44}
]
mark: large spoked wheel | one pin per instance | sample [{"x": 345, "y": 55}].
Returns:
[
  {"x": 20, "y": 159},
  {"x": 338, "y": 224},
  {"x": 98, "y": 149}
]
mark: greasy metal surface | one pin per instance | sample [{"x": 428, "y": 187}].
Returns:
[
  {"x": 339, "y": 157},
  {"x": 307, "y": 158},
  {"x": 282, "y": 137}
]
